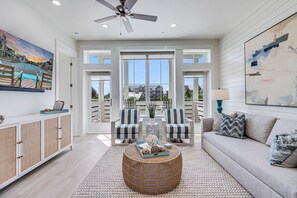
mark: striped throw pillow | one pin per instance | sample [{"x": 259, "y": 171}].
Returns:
[{"x": 283, "y": 150}]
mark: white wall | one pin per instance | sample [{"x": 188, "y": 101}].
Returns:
[
  {"x": 20, "y": 20},
  {"x": 232, "y": 57},
  {"x": 117, "y": 46}
]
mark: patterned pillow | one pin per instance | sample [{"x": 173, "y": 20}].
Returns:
[
  {"x": 283, "y": 150},
  {"x": 233, "y": 127},
  {"x": 217, "y": 120}
]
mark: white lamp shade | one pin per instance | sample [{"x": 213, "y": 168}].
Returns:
[{"x": 220, "y": 94}]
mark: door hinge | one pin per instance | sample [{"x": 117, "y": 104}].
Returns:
[
  {"x": 71, "y": 106},
  {"x": 71, "y": 64},
  {"x": 71, "y": 85}
]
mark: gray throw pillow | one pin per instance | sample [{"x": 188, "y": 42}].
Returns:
[
  {"x": 233, "y": 127},
  {"x": 217, "y": 120},
  {"x": 259, "y": 127},
  {"x": 283, "y": 150}
]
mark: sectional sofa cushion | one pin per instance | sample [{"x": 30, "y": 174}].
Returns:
[
  {"x": 259, "y": 127},
  {"x": 232, "y": 127},
  {"x": 283, "y": 151},
  {"x": 254, "y": 157},
  {"x": 217, "y": 120},
  {"x": 281, "y": 126}
]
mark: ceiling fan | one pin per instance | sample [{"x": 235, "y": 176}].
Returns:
[{"x": 123, "y": 10}]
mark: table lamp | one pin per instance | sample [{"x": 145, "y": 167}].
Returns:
[{"x": 219, "y": 95}]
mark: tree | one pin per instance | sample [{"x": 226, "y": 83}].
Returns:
[{"x": 94, "y": 94}]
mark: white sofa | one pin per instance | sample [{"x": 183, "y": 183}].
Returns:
[{"x": 247, "y": 160}]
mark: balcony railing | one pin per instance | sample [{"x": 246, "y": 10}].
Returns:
[{"x": 100, "y": 111}]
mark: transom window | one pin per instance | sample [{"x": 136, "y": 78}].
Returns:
[
  {"x": 97, "y": 57},
  {"x": 146, "y": 78},
  {"x": 197, "y": 56}
]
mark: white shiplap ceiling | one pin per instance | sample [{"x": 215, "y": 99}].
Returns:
[{"x": 195, "y": 19}]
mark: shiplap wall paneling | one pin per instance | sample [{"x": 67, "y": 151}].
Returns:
[{"x": 232, "y": 66}]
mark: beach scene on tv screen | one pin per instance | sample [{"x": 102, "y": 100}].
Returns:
[{"x": 24, "y": 65}]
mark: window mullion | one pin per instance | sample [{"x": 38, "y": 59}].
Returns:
[{"x": 147, "y": 81}]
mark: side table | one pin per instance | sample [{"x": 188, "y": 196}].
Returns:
[{"x": 152, "y": 129}]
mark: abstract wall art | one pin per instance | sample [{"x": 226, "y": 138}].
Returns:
[
  {"x": 24, "y": 66},
  {"x": 271, "y": 66}
]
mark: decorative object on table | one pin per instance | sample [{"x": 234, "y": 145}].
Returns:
[
  {"x": 283, "y": 150},
  {"x": 2, "y": 118},
  {"x": 57, "y": 108},
  {"x": 154, "y": 151},
  {"x": 233, "y": 127},
  {"x": 219, "y": 95},
  {"x": 151, "y": 109},
  {"x": 59, "y": 105},
  {"x": 152, "y": 129},
  {"x": 168, "y": 145},
  {"x": 152, "y": 140},
  {"x": 270, "y": 69},
  {"x": 27, "y": 67}
]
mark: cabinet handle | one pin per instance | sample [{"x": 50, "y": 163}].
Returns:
[
  {"x": 20, "y": 157},
  {"x": 61, "y": 128},
  {"x": 59, "y": 138},
  {"x": 20, "y": 142}
]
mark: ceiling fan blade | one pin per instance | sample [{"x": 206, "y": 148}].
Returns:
[
  {"x": 130, "y": 3},
  {"x": 127, "y": 24},
  {"x": 106, "y": 4},
  {"x": 106, "y": 19},
  {"x": 144, "y": 17}
]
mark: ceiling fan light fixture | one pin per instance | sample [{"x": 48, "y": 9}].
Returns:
[
  {"x": 56, "y": 2},
  {"x": 173, "y": 25},
  {"x": 104, "y": 26}
]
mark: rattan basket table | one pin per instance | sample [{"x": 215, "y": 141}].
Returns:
[{"x": 154, "y": 175}]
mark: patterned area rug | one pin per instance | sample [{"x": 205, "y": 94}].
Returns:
[{"x": 202, "y": 177}]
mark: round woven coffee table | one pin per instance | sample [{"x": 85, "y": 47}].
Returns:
[{"x": 154, "y": 175}]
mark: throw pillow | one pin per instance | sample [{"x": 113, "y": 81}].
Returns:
[
  {"x": 217, "y": 120},
  {"x": 233, "y": 127},
  {"x": 280, "y": 127},
  {"x": 259, "y": 127},
  {"x": 283, "y": 150}
]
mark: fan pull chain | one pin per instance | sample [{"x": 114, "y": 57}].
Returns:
[{"x": 120, "y": 27}]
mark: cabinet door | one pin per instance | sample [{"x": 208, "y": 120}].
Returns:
[
  {"x": 65, "y": 130},
  {"x": 50, "y": 136},
  {"x": 30, "y": 144},
  {"x": 7, "y": 154}
]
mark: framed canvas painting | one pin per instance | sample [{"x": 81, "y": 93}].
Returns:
[
  {"x": 23, "y": 65},
  {"x": 271, "y": 66}
]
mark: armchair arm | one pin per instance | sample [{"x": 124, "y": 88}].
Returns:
[
  {"x": 112, "y": 131},
  {"x": 164, "y": 130},
  {"x": 192, "y": 130},
  {"x": 140, "y": 125},
  {"x": 188, "y": 120}
]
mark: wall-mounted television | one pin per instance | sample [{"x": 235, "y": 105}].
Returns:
[{"x": 23, "y": 65}]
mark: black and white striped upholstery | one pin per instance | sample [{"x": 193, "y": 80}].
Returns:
[
  {"x": 182, "y": 131},
  {"x": 175, "y": 116},
  {"x": 176, "y": 126},
  {"x": 128, "y": 127},
  {"x": 127, "y": 131},
  {"x": 129, "y": 116}
]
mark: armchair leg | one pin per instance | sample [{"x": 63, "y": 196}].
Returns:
[{"x": 164, "y": 138}]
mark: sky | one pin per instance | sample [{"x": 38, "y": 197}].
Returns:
[{"x": 22, "y": 47}]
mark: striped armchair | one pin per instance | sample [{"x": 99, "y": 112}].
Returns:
[
  {"x": 176, "y": 125},
  {"x": 128, "y": 126}
]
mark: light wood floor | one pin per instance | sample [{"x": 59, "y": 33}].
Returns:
[{"x": 59, "y": 177}]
